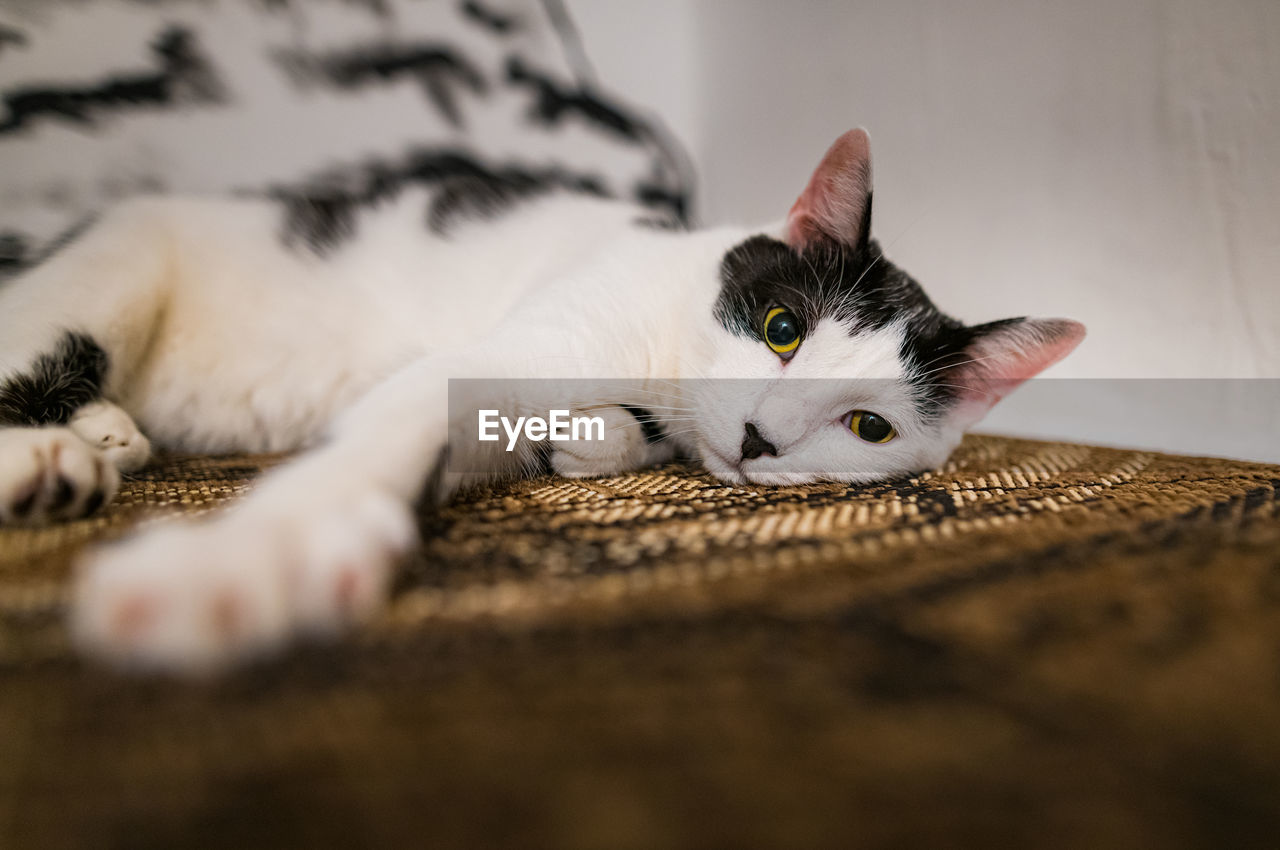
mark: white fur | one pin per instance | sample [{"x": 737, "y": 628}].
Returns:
[
  {"x": 223, "y": 340},
  {"x": 109, "y": 429}
]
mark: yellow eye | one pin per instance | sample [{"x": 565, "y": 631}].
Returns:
[
  {"x": 782, "y": 330},
  {"x": 871, "y": 427}
]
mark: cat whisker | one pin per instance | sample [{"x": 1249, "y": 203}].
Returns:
[
  {"x": 867, "y": 270},
  {"x": 954, "y": 365},
  {"x": 966, "y": 388},
  {"x": 597, "y": 402},
  {"x": 679, "y": 433}
]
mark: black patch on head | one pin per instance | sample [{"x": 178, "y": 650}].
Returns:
[
  {"x": 58, "y": 384},
  {"x": 493, "y": 21},
  {"x": 650, "y": 425},
  {"x": 438, "y": 68},
  {"x": 185, "y": 75},
  {"x": 856, "y": 286},
  {"x": 323, "y": 215}
]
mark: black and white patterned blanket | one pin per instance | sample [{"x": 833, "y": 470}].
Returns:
[{"x": 319, "y": 100}]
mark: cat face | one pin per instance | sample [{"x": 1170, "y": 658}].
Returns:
[{"x": 830, "y": 363}]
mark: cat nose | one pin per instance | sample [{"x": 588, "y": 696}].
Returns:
[{"x": 754, "y": 445}]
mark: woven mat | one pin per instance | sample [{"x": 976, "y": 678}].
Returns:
[{"x": 1042, "y": 644}]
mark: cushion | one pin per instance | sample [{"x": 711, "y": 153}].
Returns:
[
  {"x": 312, "y": 100},
  {"x": 1041, "y": 644}
]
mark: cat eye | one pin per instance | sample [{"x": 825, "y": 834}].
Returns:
[
  {"x": 871, "y": 427},
  {"x": 782, "y": 331}
]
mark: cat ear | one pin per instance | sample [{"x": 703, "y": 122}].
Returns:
[
  {"x": 1003, "y": 355},
  {"x": 836, "y": 205}
]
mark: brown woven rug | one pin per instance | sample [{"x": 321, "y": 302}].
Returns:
[{"x": 1041, "y": 645}]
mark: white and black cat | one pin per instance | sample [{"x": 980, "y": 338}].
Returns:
[{"x": 201, "y": 323}]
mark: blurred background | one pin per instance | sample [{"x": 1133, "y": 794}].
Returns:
[{"x": 1111, "y": 161}]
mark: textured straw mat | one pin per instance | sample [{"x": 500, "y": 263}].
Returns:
[{"x": 1043, "y": 644}]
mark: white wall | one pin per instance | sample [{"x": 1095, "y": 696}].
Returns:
[{"x": 1114, "y": 161}]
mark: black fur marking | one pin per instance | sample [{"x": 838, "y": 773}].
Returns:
[
  {"x": 438, "y": 68},
  {"x": 554, "y": 102},
  {"x": 489, "y": 19},
  {"x": 324, "y": 215},
  {"x": 650, "y": 425},
  {"x": 58, "y": 384},
  {"x": 857, "y": 286},
  {"x": 185, "y": 75}
]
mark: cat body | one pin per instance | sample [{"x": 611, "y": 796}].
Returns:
[
  {"x": 780, "y": 355},
  {"x": 254, "y": 346}
]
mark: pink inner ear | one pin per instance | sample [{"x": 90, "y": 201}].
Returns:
[
  {"x": 1006, "y": 358},
  {"x": 834, "y": 203}
]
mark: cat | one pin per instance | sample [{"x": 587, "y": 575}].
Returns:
[{"x": 773, "y": 356}]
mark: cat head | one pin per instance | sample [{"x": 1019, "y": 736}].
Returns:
[{"x": 830, "y": 363}]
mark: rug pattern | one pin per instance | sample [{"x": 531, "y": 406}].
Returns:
[{"x": 1040, "y": 643}]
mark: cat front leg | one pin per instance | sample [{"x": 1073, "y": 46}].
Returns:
[
  {"x": 309, "y": 552},
  {"x": 196, "y": 597},
  {"x": 72, "y": 329}
]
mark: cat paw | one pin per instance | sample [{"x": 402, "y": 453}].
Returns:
[
  {"x": 623, "y": 448},
  {"x": 109, "y": 429},
  {"x": 49, "y": 474},
  {"x": 197, "y": 598}
]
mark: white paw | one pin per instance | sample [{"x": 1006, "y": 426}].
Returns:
[
  {"x": 49, "y": 474},
  {"x": 110, "y": 430},
  {"x": 195, "y": 598},
  {"x": 623, "y": 447}
]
